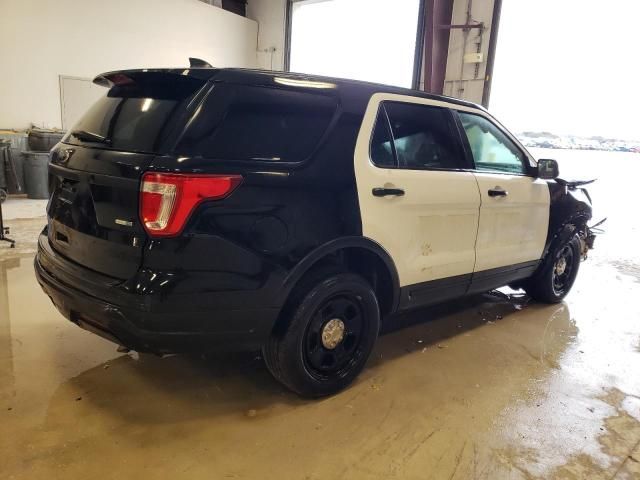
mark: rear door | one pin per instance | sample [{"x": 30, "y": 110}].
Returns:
[
  {"x": 415, "y": 198},
  {"x": 514, "y": 215},
  {"x": 95, "y": 172}
]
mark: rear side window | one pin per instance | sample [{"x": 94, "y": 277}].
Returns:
[
  {"x": 423, "y": 136},
  {"x": 137, "y": 114},
  {"x": 258, "y": 123}
]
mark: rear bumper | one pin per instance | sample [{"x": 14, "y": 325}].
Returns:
[{"x": 149, "y": 323}]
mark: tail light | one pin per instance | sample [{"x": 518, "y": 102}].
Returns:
[{"x": 167, "y": 199}]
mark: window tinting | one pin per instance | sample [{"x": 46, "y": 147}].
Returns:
[
  {"x": 258, "y": 123},
  {"x": 381, "y": 150},
  {"x": 136, "y": 115},
  {"x": 492, "y": 150},
  {"x": 423, "y": 136}
]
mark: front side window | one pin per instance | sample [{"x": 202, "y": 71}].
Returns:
[{"x": 492, "y": 150}]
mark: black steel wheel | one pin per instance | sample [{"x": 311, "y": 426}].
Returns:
[
  {"x": 328, "y": 330},
  {"x": 562, "y": 271},
  {"x": 335, "y": 336},
  {"x": 557, "y": 274}
]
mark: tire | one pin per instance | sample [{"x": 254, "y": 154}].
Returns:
[
  {"x": 555, "y": 279},
  {"x": 3, "y": 195},
  {"x": 328, "y": 330}
]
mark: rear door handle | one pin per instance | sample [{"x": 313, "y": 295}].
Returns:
[
  {"x": 498, "y": 192},
  {"x": 383, "y": 192}
]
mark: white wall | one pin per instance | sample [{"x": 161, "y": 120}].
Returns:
[
  {"x": 270, "y": 15},
  {"x": 42, "y": 39}
]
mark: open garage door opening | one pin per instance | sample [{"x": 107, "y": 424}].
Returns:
[{"x": 372, "y": 40}]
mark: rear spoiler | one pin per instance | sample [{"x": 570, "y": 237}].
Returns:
[
  {"x": 126, "y": 77},
  {"x": 110, "y": 79}
]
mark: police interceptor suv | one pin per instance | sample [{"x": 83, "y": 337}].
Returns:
[{"x": 203, "y": 209}]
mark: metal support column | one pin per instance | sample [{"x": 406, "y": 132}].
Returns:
[{"x": 436, "y": 43}]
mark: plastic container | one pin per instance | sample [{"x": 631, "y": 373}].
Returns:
[
  {"x": 15, "y": 182},
  {"x": 18, "y": 139},
  {"x": 36, "y": 175},
  {"x": 5, "y": 152},
  {"x": 41, "y": 140}
]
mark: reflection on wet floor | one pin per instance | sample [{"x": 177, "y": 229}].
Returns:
[{"x": 485, "y": 387}]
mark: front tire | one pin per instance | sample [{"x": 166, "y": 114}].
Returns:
[
  {"x": 558, "y": 273},
  {"x": 330, "y": 327}
]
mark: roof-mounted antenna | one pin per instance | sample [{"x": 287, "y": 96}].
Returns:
[{"x": 198, "y": 63}]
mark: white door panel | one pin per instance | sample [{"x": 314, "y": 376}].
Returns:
[
  {"x": 513, "y": 228},
  {"x": 514, "y": 216},
  {"x": 430, "y": 231}
]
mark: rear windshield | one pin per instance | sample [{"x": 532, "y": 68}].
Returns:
[
  {"x": 136, "y": 115},
  {"x": 258, "y": 123}
]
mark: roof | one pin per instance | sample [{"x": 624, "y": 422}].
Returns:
[{"x": 262, "y": 77}]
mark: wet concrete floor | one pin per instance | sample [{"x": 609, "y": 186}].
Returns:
[{"x": 489, "y": 387}]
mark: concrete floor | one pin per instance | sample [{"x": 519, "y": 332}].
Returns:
[{"x": 489, "y": 387}]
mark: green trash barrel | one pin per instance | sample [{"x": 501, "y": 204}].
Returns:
[{"x": 36, "y": 174}]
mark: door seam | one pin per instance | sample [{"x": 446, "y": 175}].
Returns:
[{"x": 475, "y": 244}]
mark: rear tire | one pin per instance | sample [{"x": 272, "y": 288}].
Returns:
[
  {"x": 329, "y": 328},
  {"x": 558, "y": 273}
]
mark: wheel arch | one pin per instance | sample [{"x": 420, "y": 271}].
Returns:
[
  {"x": 354, "y": 253},
  {"x": 565, "y": 230},
  {"x": 569, "y": 211}
]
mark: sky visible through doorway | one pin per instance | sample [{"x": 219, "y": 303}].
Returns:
[{"x": 569, "y": 67}]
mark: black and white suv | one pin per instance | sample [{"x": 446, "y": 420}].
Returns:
[{"x": 206, "y": 208}]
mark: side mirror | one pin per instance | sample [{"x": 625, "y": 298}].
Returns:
[{"x": 548, "y": 169}]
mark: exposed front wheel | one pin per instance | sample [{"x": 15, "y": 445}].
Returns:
[
  {"x": 558, "y": 273},
  {"x": 329, "y": 329}
]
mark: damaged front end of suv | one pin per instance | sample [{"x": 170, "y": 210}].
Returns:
[{"x": 571, "y": 212}]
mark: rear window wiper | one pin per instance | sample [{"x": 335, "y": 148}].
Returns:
[{"x": 86, "y": 136}]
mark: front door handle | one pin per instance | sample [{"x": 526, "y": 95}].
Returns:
[
  {"x": 383, "y": 192},
  {"x": 498, "y": 192}
]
